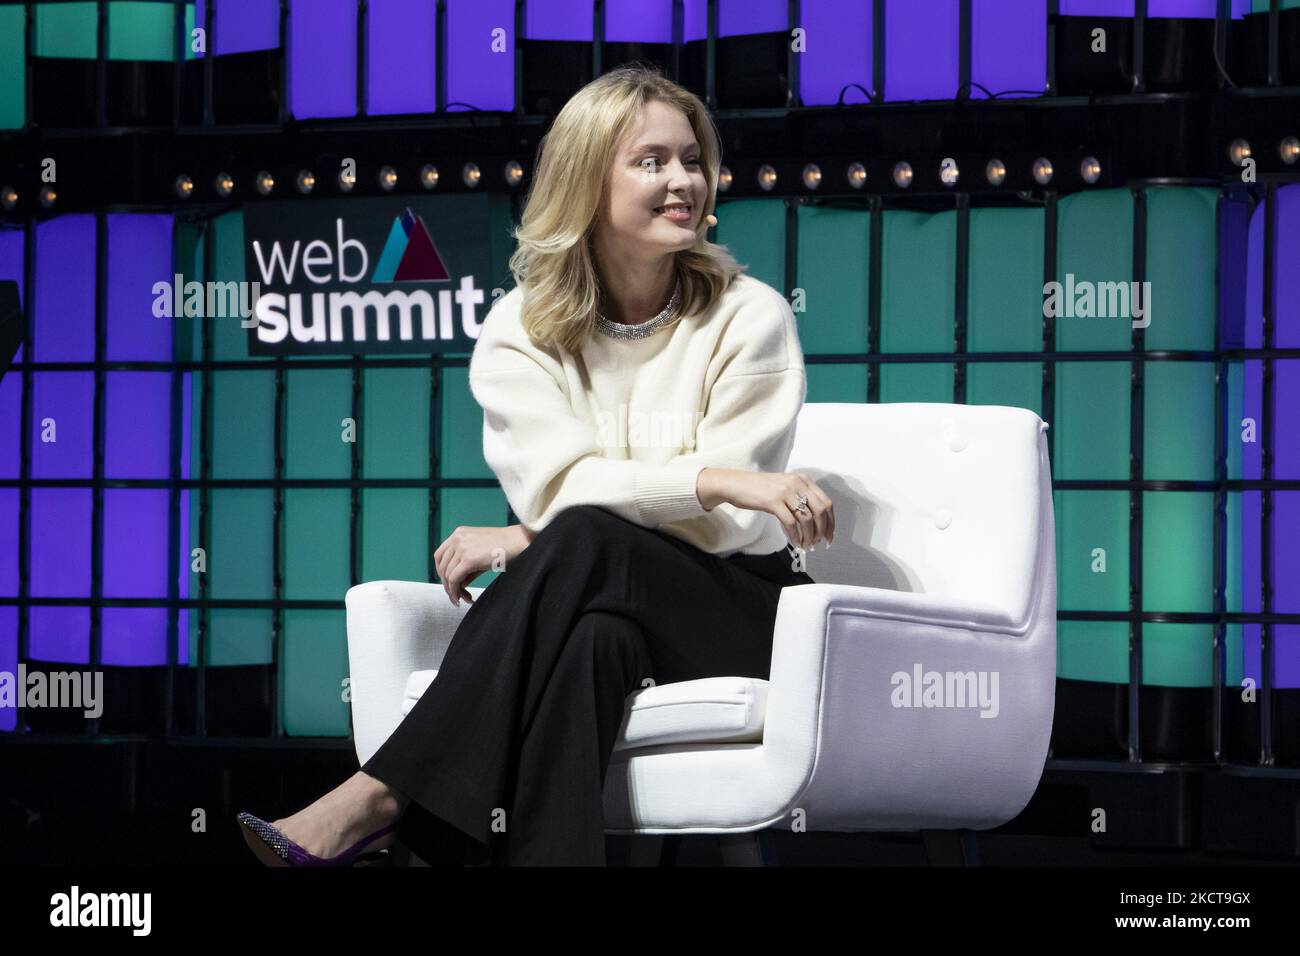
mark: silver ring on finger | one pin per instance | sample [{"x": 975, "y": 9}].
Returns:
[{"x": 803, "y": 504}]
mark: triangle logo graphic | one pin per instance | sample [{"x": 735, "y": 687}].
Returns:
[{"x": 409, "y": 254}]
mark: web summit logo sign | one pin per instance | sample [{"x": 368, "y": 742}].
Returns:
[{"x": 368, "y": 276}]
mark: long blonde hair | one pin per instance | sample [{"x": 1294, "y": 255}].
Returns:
[{"x": 553, "y": 262}]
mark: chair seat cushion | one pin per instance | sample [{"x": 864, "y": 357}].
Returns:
[
  {"x": 708, "y": 710},
  {"x": 416, "y": 685}
]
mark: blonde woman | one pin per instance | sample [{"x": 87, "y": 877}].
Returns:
[{"x": 640, "y": 395}]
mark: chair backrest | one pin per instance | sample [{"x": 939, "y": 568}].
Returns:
[{"x": 930, "y": 497}]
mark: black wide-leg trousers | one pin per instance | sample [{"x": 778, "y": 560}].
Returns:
[{"x": 504, "y": 756}]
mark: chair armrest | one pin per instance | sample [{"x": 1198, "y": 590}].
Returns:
[
  {"x": 871, "y": 753},
  {"x": 394, "y": 628}
]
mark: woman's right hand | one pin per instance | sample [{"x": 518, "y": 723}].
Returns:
[
  {"x": 777, "y": 493},
  {"x": 469, "y": 551}
]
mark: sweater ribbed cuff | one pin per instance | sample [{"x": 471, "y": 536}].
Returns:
[{"x": 666, "y": 493}]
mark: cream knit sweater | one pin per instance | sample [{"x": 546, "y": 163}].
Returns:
[{"x": 629, "y": 424}]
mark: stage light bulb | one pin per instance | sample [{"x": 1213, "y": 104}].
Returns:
[
  {"x": 471, "y": 174},
  {"x": 812, "y": 176},
  {"x": 856, "y": 175},
  {"x": 766, "y": 177},
  {"x": 724, "y": 178},
  {"x": 1238, "y": 151},
  {"x": 9, "y": 198},
  {"x": 1289, "y": 149},
  {"x": 265, "y": 183},
  {"x": 902, "y": 175},
  {"x": 306, "y": 181},
  {"x": 224, "y": 185},
  {"x": 514, "y": 173},
  {"x": 995, "y": 172},
  {"x": 184, "y": 186},
  {"x": 1090, "y": 170},
  {"x": 1043, "y": 170},
  {"x": 429, "y": 176},
  {"x": 48, "y": 196}
]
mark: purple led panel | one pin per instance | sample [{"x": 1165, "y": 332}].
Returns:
[
  {"x": 650, "y": 21},
  {"x": 1285, "y": 637},
  {"x": 183, "y": 570},
  {"x": 9, "y": 501},
  {"x": 1286, "y": 324},
  {"x": 9, "y": 515},
  {"x": 60, "y": 567},
  {"x": 401, "y": 56},
  {"x": 922, "y": 39},
  {"x": 1096, "y": 8},
  {"x": 65, "y": 290},
  {"x": 137, "y": 424},
  {"x": 64, "y": 331},
  {"x": 738, "y": 17},
  {"x": 695, "y": 24},
  {"x": 322, "y": 58},
  {"x": 241, "y": 26},
  {"x": 11, "y": 267},
  {"x": 59, "y": 633},
  {"x": 1284, "y": 553},
  {"x": 559, "y": 20},
  {"x": 135, "y": 565},
  {"x": 1205, "y": 9},
  {"x": 139, "y": 256},
  {"x": 476, "y": 75},
  {"x": 134, "y": 636},
  {"x": 63, "y": 409},
  {"x": 1008, "y": 46},
  {"x": 9, "y": 661},
  {"x": 137, "y": 410},
  {"x": 839, "y": 52},
  {"x": 8, "y": 588},
  {"x": 137, "y": 439},
  {"x": 639, "y": 21}
]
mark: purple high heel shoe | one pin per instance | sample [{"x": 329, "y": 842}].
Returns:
[{"x": 275, "y": 849}]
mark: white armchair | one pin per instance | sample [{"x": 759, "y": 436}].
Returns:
[{"x": 912, "y": 688}]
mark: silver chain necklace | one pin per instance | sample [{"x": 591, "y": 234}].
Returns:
[{"x": 640, "y": 330}]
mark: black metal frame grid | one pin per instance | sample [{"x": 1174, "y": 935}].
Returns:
[
  {"x": 1136, "y": 485},
  {"x": 875, "y": 205},
  {"x": 176, "y": 424},
  {"x": 1219, "y": 662},
  {"x": 25, "y": 458},
  {"x": 356, "y": 365},
  {"x": 874, "y": 202},
  {"x": 1266, "y": 471},
  {"x": 793, "y": 98},
  {"x": 205, "y": 503},
  {"x": 1137, "y": 442}
]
